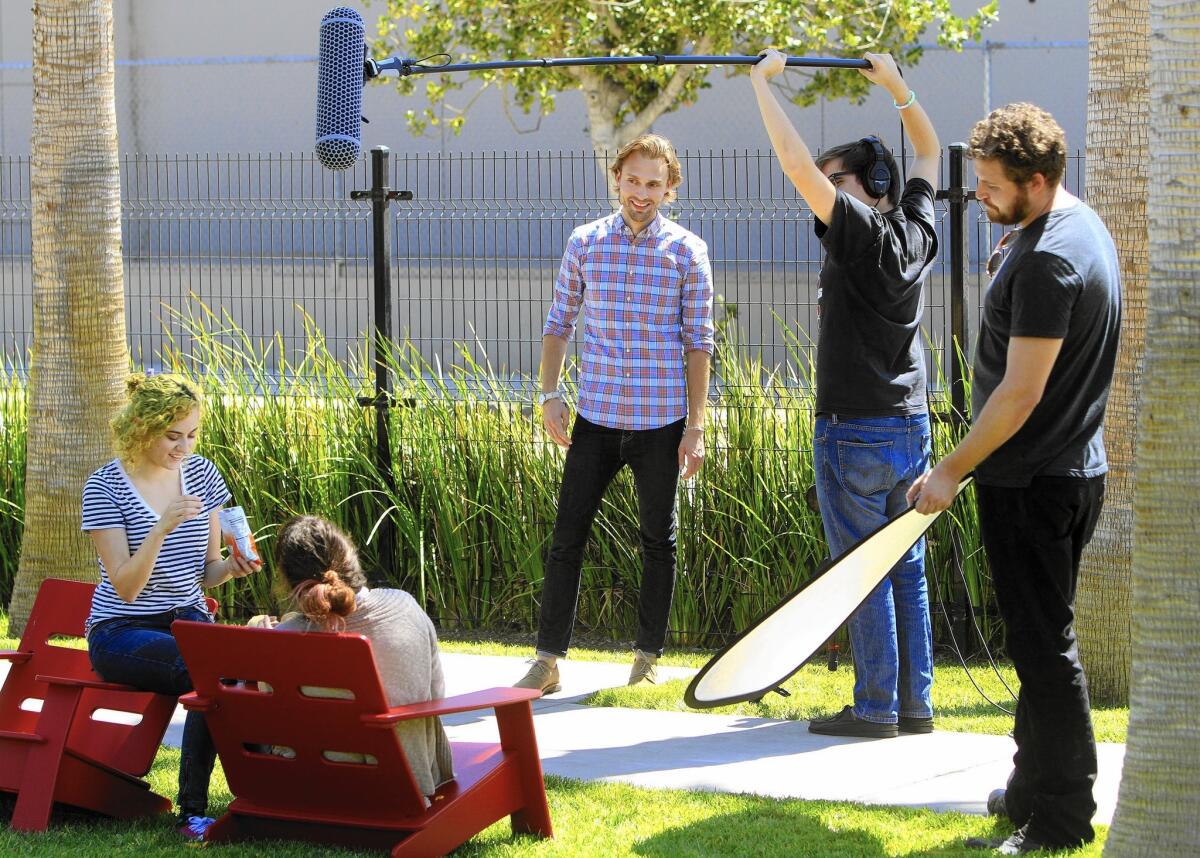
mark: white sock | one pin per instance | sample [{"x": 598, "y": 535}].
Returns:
[{"x": 549, "y": 658}]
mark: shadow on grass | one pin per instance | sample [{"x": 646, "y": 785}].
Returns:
[
  {"x": 821, "y": 830},
  {"x": 765, "y": 830}
]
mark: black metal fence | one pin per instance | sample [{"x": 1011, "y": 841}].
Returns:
[{"x": 474, "y": 252}]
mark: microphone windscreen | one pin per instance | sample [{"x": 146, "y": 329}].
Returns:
[{"x": 339, "y": 88}]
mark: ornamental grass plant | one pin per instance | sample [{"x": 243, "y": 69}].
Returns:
[{"x": 473, "y": 485}]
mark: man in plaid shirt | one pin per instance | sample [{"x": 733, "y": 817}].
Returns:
[{"x": 646, "y": 287}]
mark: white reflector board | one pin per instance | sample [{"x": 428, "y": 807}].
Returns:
[{"x": 775, "y": 647}]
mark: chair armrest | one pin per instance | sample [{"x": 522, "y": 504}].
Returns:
[
  {"x": 78, "y": 682},
  {"x": 491, "y": 698},
  {"x": 15, "y": 656},
  {"x": 193, "y": 701}
]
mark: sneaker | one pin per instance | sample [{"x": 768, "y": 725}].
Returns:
[
  {"x": 543, "y": 676},
  {"x": 1020, "y": 842},
  {"x": 995, "y": 803},
  {"x": 194, "y": 828},
  {"x": 846, "y": 723},
  {"x": 645, "y": 669},
  {"x": 915, "y": 725}
]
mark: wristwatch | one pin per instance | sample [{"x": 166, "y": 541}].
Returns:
[{"x": 544, "y": 396}]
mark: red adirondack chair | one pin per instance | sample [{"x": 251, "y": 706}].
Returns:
[
  {"x": 306, "y": 795},
  {"x": 53, "y": 745}
]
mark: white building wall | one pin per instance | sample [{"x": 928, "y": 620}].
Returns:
[{"x": 239, "y": 76}]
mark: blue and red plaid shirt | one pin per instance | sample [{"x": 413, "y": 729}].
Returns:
[{"x": 648, "y": 300}]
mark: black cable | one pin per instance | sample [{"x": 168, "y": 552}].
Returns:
[{"x": 956, "y": 551}]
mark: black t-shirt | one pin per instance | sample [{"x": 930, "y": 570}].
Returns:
[
  {"x": 1060, "y": 280},
  {"x": 870, "y": 299}
]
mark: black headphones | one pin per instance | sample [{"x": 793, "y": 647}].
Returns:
[{"x": 877, "y": 176}]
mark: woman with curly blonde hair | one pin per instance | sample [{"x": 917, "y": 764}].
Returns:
[{"x": 152, "y": 516}]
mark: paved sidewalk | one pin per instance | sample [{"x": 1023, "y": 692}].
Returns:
[
  {"x": 723, "y": 753},
  {"x": 764, "y": 756}
]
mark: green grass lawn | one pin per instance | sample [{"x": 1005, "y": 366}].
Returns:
[
  {"x": 591, "y": 819},
  {"x": 615, "y": 819}
]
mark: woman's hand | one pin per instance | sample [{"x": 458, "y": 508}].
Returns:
[
  {"x": 238, "y": 566},
  {"x": 183, "y": 508}
]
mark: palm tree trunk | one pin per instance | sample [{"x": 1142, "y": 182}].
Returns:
[
  {"x": 1156, "y": 808},
  {"x": 1117, "y": 168},
  {"x": 79, "y": 351}
]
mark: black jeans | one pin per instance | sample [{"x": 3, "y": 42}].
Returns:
[
  {"x": 141, "y": 651},
  {"x": 595, "y": 456},
  {"x": 1034, "y": 538}
]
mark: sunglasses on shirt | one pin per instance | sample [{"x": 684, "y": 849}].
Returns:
[{"x": 997, "y": 257}]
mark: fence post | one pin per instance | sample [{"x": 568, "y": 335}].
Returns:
[
  {"x": 381, "y": 265},
  {"x": 958, "y": 196}
]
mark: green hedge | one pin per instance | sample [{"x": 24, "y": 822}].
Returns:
[{"x": 475, "y": 482}]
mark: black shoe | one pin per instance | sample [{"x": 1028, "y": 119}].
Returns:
[
  {"x": 915, "y": 725},
  {"x": 846, "y": 723},
  {"x": 995, "y": 803}
]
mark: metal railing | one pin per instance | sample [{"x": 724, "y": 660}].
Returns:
[{"x": 474, "y": 252}]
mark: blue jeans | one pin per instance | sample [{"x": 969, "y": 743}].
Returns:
[
  {"x": 141, "y": 651},
  {"x": 595, "y": 456},
  {"x": 864, "y": 466}
]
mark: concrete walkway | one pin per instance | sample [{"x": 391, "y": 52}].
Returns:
[{"x": 763, "y": 756}]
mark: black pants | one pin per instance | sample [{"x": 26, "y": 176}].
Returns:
[
  {"x": 1034, "y": 538},
  {"x": 595, "y": 456}
]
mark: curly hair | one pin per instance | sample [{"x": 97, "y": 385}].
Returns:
[
  {"x": 1025, "y": 140},
  {"x": 156, "y": 403},
  {"x": 320, "y": 565},
  {"x": 652, "y": 146}
]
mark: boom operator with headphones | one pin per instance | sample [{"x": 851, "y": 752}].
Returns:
[{"x": 877, "y": 176}]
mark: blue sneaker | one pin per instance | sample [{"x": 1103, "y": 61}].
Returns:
[{"x": 194, "y": 828}]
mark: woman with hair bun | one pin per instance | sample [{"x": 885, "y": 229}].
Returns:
[
  {"x": 320, "y": 565},
  {"x": 152, "y": 516}
]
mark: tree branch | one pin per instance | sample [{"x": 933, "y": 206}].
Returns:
[
  {"x": 610, "y": 21},
  {"x": 662, "y": 102}
]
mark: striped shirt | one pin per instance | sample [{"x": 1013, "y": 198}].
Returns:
[
  {"x": 647, "y": 300},
  {"x": 111, "y": 501}
]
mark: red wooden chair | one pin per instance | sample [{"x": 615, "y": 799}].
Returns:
[
  {"x": 57, "y": 742},
  {"x": 306, "y": 795}
]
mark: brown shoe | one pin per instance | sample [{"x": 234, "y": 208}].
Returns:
[
  {"x": 645, "y": 669},
  {"x": 543, "y": 676}
]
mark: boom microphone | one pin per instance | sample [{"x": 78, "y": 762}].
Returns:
[{"x": 339, "y": 88}]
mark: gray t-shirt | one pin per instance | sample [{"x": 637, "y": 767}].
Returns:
[
  {"x": 869, "y": 357},
  {"x": 406, "y": 654},
  {"x": 1059, "y": 280}
]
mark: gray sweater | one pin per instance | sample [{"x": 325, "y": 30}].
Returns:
[{"x": 406, "y": 654}]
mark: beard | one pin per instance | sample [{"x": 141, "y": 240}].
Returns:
[
  {"x": 633, "y": 216},
  {"x": 1016, "y": 213}
]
